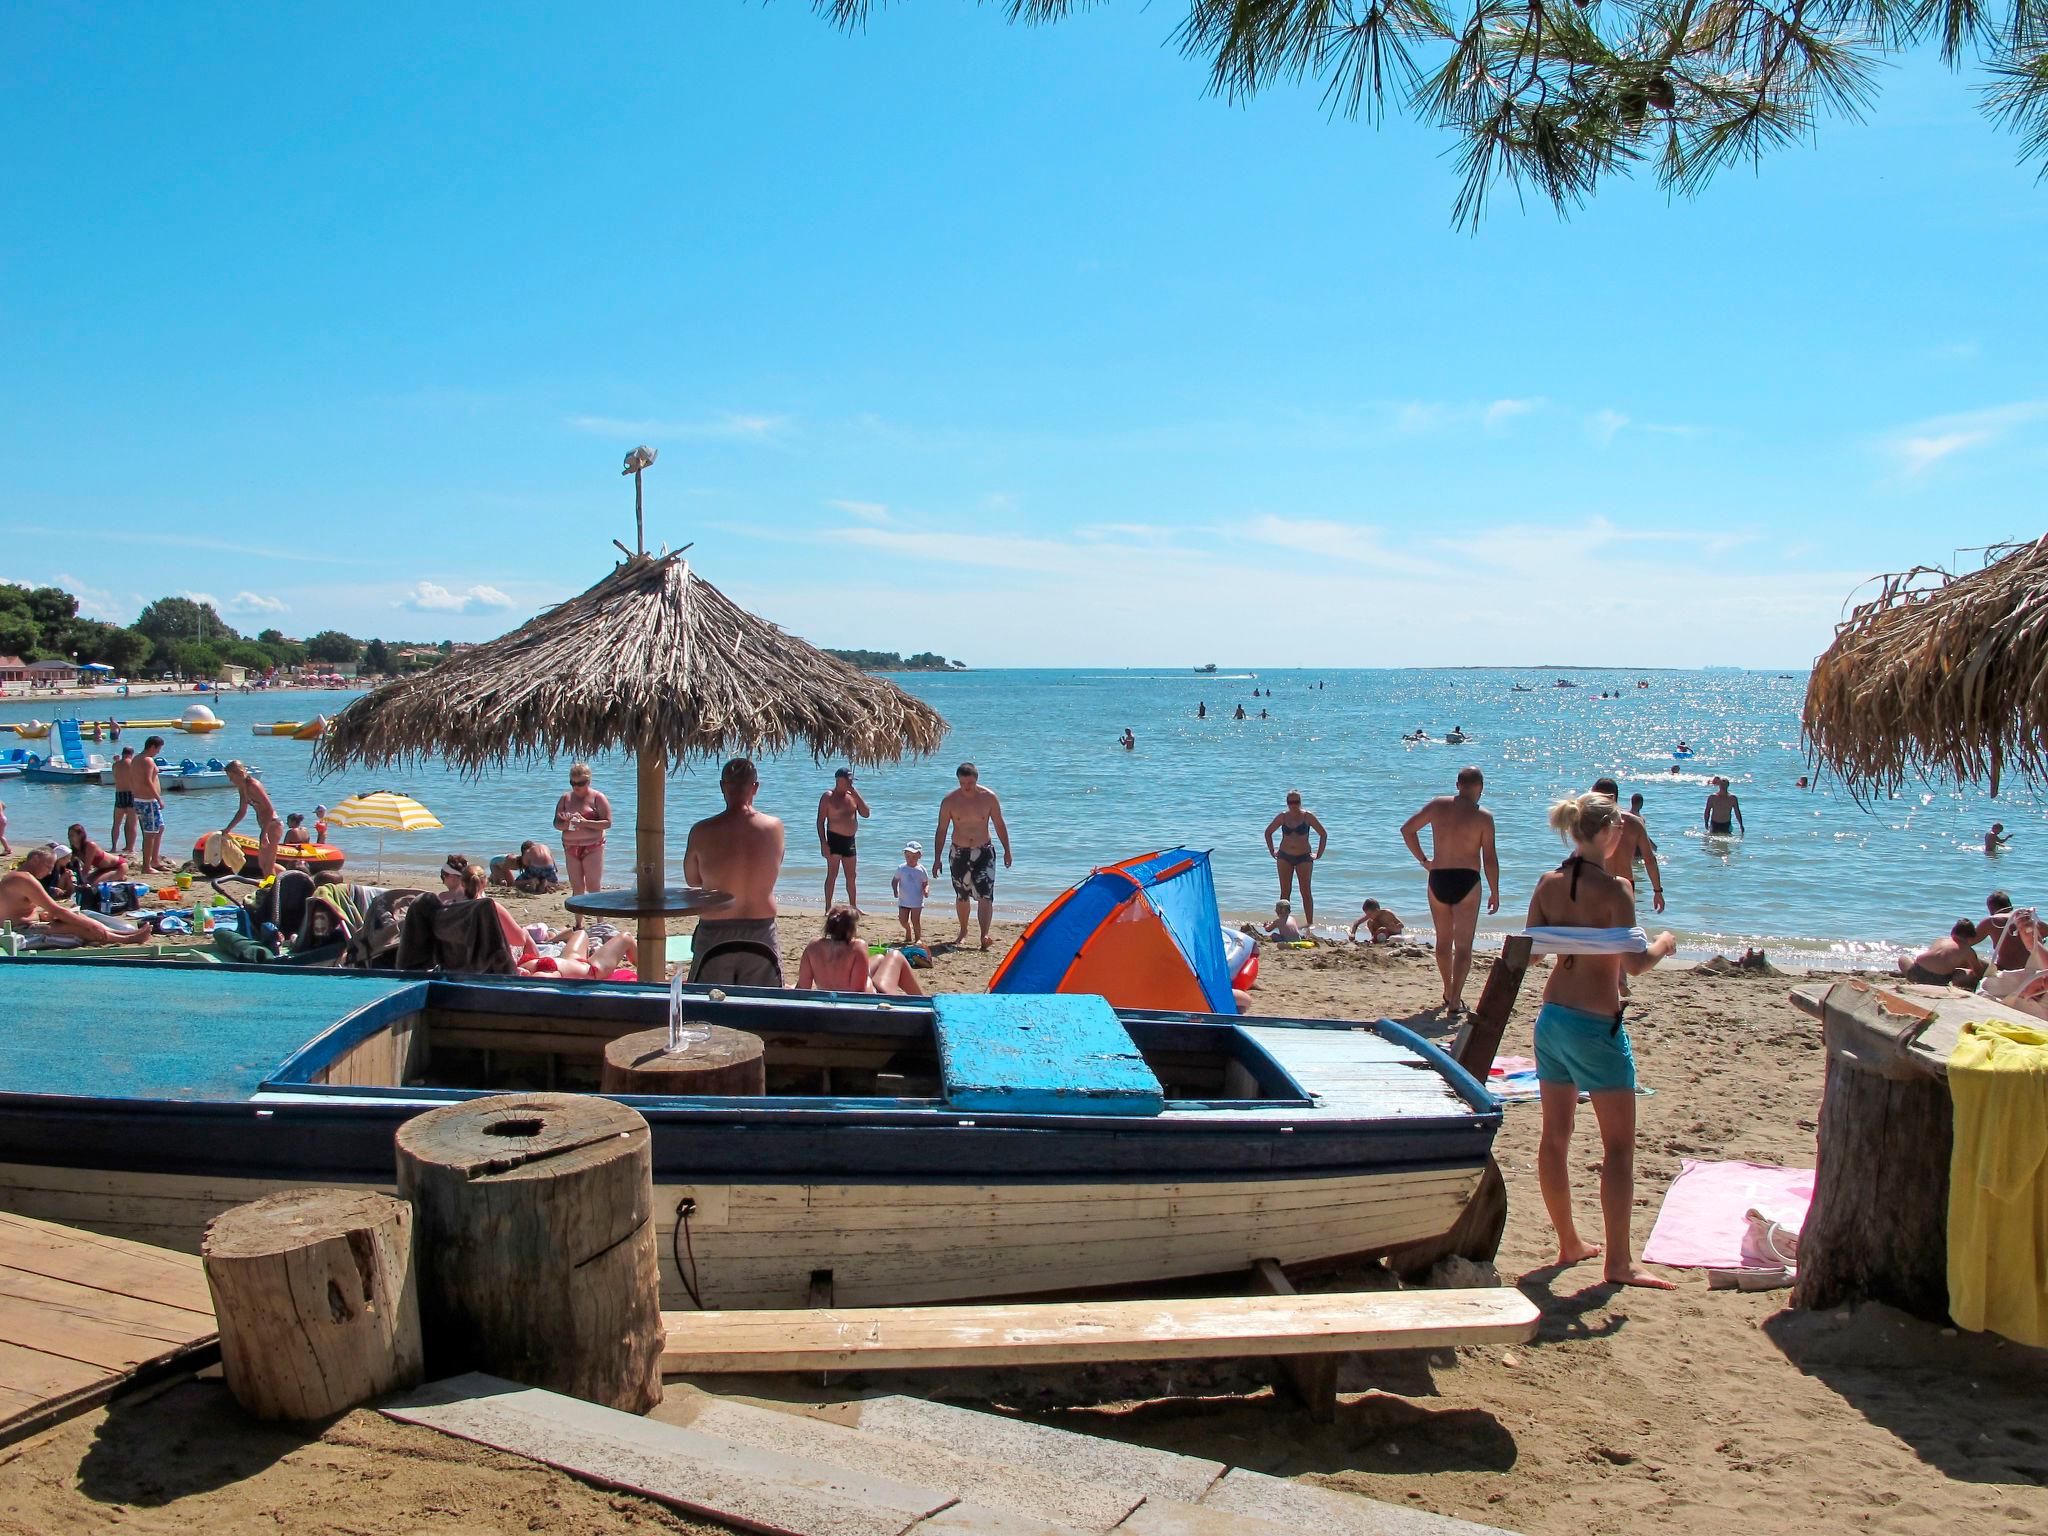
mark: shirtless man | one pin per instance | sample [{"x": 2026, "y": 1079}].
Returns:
[
  {"x": 2011, "y": 953},
  {"x": 1461, "y": 839},
  {"x": 1723, "y": 813},
  {"x": 123, "y": 769},
  {"x": 149, "y": 805},
  {"x": 1634, "y": 844},
  {"x": 1949, "y": 961},
  {"x": 738, "y": 850},
  {"x": 269, "y": 825},
  {"x": 838, "y": 811},
  {"x": 25, "y": 903},
  {"x": 969, "y": 812}
]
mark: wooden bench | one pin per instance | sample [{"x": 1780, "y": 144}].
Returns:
[{"x": 1059, "y": 1333}]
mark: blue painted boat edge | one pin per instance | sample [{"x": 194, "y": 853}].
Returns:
[
  {"x": 1469, "y": 1088},
  {"x": 346, "y": 1033}
]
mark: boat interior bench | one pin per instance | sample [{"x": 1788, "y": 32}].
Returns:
[{"x": 1064, "y": 1333}]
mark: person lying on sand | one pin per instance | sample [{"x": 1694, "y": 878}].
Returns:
[
  {"x": 839, "y": 962},
  {"x": 24, "y": 903},
  {"x": 1379, "y": 924},
  {"x": 1581, "y": 1042},
  {"x": 1952, "y": 961}
]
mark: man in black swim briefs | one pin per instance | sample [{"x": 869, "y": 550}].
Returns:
[
  {"x": 1462, "y": 846},
  {"x": 839, "y": 811},
  {"x": 974, "y": 817}
]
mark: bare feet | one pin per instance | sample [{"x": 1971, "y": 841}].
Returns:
[
  {"x": 987, "y": 942},
  {"x": 1635, "y": 1274},
  {"x": 1576, "y": 1252}
]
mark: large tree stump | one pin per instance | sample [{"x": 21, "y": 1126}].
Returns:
[
  {"x": 313, "y": 1293},
  {"x": 1878, "y": 1225},
  {"x": 537, "y": 1256},
  {"x": 731, "y": 1061}
]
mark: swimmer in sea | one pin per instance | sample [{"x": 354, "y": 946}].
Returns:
[
  {"x": 1996, "y": 838},
  {"x": 1721, "y": 807},
  {"x": 1127, "y": 741}
]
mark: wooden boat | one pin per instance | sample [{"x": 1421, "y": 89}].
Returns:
[{"x": 900, "y": 1145}]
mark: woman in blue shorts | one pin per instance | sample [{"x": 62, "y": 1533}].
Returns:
[{"x": 1581, "y": 1042}]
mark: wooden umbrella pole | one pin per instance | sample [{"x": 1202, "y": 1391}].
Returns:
[{"x": 650, "y": 839}]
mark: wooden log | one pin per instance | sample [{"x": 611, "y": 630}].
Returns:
[
  {"x": 1878, "y": 1226},
  {"x": 313, "y": 1290},
  {"x": 731, "y": 1061},
  {"x": 650, "y": 853},
  {"x": 1480, "y": 1226},
  {"x": 1313, "y": 1377},
  {"x": 537, "y": 1257}
]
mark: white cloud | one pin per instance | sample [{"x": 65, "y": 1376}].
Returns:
[
  {"x": 1603, "y": 425},
  {"x": 1921, "y": 445},
  {"x": 93, "y": 602},
  {"x": 256, "y": 602},
  {"x": 432, "y": 597},
  {"x": 737, "y": 426},
  {"x": 1501, "y": 412},
  {"x": 202, "y": 597},
  {"x": 866, "y": 511}
]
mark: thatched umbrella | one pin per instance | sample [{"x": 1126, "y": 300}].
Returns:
[
  {"x": 1939, "y": 675},
  {"x": 653, "y": 659}
]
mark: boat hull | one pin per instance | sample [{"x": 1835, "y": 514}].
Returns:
[{"x": 757, "y": 1244}]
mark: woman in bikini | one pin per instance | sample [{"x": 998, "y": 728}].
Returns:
[
  {"x": 583, "y": 816},
  {"x": 839, "y": 962},
  {"x": 1581, "y": 1042},
  {"x": 1293, "y": 858}
]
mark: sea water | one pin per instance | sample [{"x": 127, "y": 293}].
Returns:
[{"x": 1818, "y": 879}]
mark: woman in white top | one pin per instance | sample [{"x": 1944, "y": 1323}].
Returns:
[{"x": 583, "y": 816}]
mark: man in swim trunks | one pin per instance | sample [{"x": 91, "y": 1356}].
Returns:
[
  {"x": 269, "y": 825},
  {"x": 1461, "y": 839},
  {"x": 123, "y": 769},
  {"x": 838, "y": 811},
  {"x": 1723, "y": 813},
  {"x": 970, "y": 811},
  {"x": 1947, "y": 962},
  {"x": 738, "y": 850},
  {"x": 1581, "y": 1043},
  {"x": 149, "y": 806},
  {"x": 1634, "y": 844},
  {"x": 25, "y": 902}
]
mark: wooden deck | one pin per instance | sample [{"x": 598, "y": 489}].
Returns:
[{"x": 83, "y": 1316}]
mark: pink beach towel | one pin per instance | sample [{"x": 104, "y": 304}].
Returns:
[{"x": 1701, "y": 1224}]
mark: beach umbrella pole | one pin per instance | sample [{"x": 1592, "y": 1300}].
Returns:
[{"x": 650, "y": 838}]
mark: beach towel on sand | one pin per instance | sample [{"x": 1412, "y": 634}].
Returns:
[
  {"x": 1998, "y": 1181},
  {"x": 1705, "y": 1210}
]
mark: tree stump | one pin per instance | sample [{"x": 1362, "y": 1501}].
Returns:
[
  {"x": 1878, "y": 1226},
  {"x": 313, "y": 1293},
  {"x": 730, "y": 1062},
  {"x": 537, "y": 1256}
]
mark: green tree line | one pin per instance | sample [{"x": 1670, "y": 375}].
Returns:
[
  {"x": 180, "y": 635},
  {"x": 890, "y": 661}
]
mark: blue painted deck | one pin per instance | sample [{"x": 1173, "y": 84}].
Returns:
[
  {"x": 163, "y": 1032},
  {"x": 1063, "y": 1055}
]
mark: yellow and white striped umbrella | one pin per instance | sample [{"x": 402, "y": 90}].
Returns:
[{"x": 382, "y": 810}]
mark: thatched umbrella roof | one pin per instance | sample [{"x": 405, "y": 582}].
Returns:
[
  {"x": 653, "y": 659},
  {"x": 1939, "y": 675}
]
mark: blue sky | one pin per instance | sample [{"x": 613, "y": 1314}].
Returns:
[{"x": 1010, "y": 343}]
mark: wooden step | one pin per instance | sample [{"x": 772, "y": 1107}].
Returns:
[
  {"x": 1060, "y": 1333},
  {"x": 1326, "y": 1511}
]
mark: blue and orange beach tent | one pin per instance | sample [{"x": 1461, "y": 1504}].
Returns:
[{"x": 1142, "y": 934}]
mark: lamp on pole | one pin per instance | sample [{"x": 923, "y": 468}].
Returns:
[{"x": 639, "y": 460}]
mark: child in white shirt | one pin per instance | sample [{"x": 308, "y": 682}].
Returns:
[{"x": 910, "y": 884}]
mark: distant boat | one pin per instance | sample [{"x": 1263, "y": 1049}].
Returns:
[
  {"x": 1206, "y": 668},
  {"x": 1518, "y": 688},
  {"x": 1565, "y": 682}
]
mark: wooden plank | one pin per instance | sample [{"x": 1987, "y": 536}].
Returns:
[
  {"x": 1061, "y": 1333},
  {"x": 1328, "y": 1511},
  {"x": 1481, "y": 1041},
  {"x": 759, "y": 1489},
  {"x": 105, "y": 1263},
  {"x": 1313, "y": 1377},
  {"x": 43, "y": 1375},
  {"x": 143, "y": 1318}
]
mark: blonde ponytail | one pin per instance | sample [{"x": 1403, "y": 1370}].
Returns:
[{"x": 1578, "y": 819}]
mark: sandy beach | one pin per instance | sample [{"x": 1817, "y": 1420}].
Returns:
[{"x": 1691, "y": 1411}]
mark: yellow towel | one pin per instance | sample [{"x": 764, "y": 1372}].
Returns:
[{"x": 1998, "y": 1181}]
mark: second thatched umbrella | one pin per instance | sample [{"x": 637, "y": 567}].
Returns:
[
  {"x": 655, "y": 660},
  {"x": 1939, "y": 674}
]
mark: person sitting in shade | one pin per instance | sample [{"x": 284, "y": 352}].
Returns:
[
  {"x": 1952, "y": 961},
  {"x": 1379, "y": 923}
]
